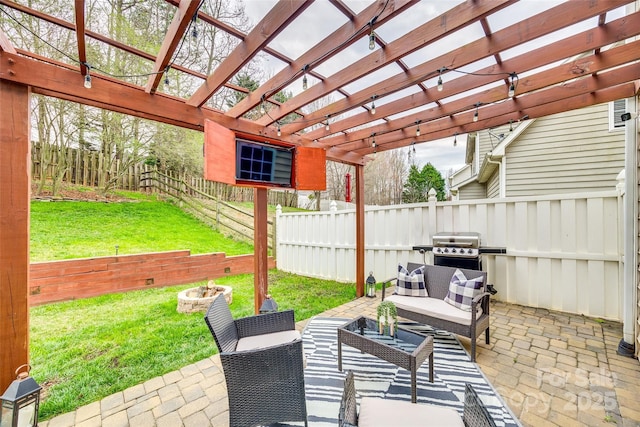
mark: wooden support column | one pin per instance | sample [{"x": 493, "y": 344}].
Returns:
[
  {"x": 260, "y": 247},
  {"x": 15, "y": 151},
  {"x": 359, "y": 230}
]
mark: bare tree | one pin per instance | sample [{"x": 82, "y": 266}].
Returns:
[{"x": 384, "y": 178}]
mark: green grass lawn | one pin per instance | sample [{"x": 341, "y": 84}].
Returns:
[
  {"x": 85, "y": 350},
  {"x": 64, "y": 230}
]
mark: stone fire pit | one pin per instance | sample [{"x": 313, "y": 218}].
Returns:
[{"x": 200, "y": 298}]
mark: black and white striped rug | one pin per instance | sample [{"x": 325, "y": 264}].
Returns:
[{"x": 376, "y": 377}]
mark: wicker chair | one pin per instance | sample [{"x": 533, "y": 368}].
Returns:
[
  {"x": 386, "y": 412},
  {"x": 262, "y": 360}
]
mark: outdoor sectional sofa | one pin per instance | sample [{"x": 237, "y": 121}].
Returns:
[{"x": 435, "y": 311}]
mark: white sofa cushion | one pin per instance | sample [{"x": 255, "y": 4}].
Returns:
[
  {"x": 434, "y": 307},
  {"x": 267, "y": 340},
  {"x": 376, "y": 412}
]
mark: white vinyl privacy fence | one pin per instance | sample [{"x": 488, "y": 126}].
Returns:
[{"x": 562, "y": 252}]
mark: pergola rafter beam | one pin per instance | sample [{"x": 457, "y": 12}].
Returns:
[
  {"x": 335, "y": 43},
  {"x": 591, "y": 64},
  {"x": 5, "y": 43},
  {"x": 186, "y": 10},
  {"x": 99, "y": 37},
  {"x": 452, "y": 20},
  {"x": 82, "y": 50},
  {"x": 538, "y": 99},
  {"x": 273, "y": 23},
  {"x": 612, "y": 32},
  {"x": 608, "y": 94}
]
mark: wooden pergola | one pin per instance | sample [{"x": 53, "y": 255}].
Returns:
[{"x": 560, "y": 58}]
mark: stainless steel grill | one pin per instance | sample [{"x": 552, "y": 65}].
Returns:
[
  {"x": 457, "y": 244},
  {"x": 457, "y": 249}
]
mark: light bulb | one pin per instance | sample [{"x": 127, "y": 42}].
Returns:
[
  {"x": 418, "y": 131},
  {"x": 87, "y": 81},
  {"x": 475, "y": 116},
  {"x": 372, "y": 40},
  {"x": 326, "y": 126},
  {"x": 304, "y": 82},
  {"x": 166, "y": 79},
  {"x": 455, "y": 140},
  {"x": 373, "y": 108},
  {"x": 512, "y": 86},
  {"x": 440, "y": 86},
  {"x": 279, "y": 131}
]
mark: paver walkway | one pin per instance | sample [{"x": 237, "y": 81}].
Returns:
[{"x": 551, "y": 368}]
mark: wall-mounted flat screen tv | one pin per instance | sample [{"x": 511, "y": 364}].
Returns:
[{"x": 263, "y": 163}]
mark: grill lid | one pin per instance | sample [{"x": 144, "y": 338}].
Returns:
[{"x": 455, "y": 239}]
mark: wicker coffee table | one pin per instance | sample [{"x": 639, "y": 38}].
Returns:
[{"x": 406, "y": 349}]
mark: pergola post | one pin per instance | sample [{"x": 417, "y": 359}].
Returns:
[
  {"x": 359, "y": 230},
  {"x": 15, "y": 176},
  {"x": 260, "y": 247}
]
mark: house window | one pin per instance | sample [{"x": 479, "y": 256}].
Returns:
[{"x": 616, "y": 109}]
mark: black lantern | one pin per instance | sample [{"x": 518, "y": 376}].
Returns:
[
  {"x": 268, "y": 306},
  {"x": 370, "y": 290},
  {"x": 21, "y": 401}
]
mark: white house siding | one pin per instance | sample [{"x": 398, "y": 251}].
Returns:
[
  {"x": 471, "y": 191},
  {"x": 493, "y": 185},
  {"x": 565, "y": 153}
]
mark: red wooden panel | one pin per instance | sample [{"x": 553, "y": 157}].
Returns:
[
  {"x": 219, "y": 153},
  {"x": 310, "y": 169}
]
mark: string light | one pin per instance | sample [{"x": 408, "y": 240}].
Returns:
[
  {"x": 513, "y": 77},
  {"x": 373, "y": 105},
  {"x": 166, "y": 76},
  {"x": 304, "y": 77},
  {"x": 87, "y": 80},
  {"x": 372, "y": 39},
  {"x": 418, "y": 128},
  {"x": 440, "y": 85},
  {"x": 326, "y": 126},
  {"x": 194, "y": 30},
  {"x": 279, "y": 130},
  {"x": 510, "y": 125},
  {"x": 475, "y": 115},
  {"x": 455, "y": 139}
]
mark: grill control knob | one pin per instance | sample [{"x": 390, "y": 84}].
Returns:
[
  {"x": 453, "y": 251},
  {"x": 446, "y": 250}
]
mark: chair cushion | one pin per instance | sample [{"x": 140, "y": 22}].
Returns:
[
  {"x": 434, "y": 307},
  {"x": 267, "y": 340},
  {"x": 411, "y": 283},
  {"x": 463, "y": 290},
  {"x": 375, "y": 412}
]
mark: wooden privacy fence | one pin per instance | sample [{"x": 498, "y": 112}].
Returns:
[
  {"x": 92, "y": 169},
  {"x": 84, "y": 167},
  {"x": 221, "y": 215},
  {"x": 562, "y": 252}
]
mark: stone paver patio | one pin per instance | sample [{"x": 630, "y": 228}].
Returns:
[{"x": 551, "y": 369}]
